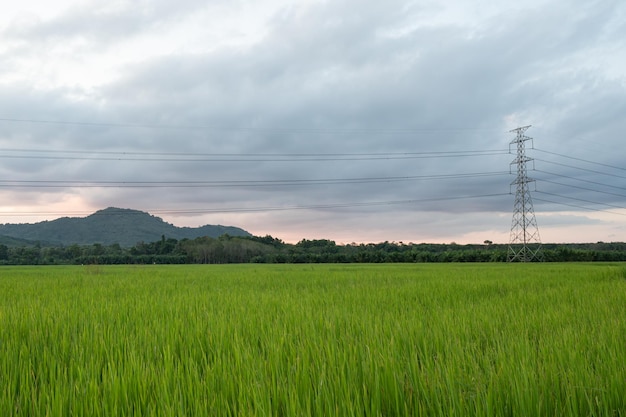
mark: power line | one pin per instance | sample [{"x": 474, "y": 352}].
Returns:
[
  {"x": 260, "y": 157},
  {"x": 185, "y": 157},
  {"x": 582, "y": 188},
  {"x": 581, "y": 159},
  {"x": 577, "y": 206},
  {"x": 275, "y": 208},
  {"x": 582, "y": 200},
  {"x": 581, "y": 169},
  {"x": 397, "y": 131},
  {"x": 580, "y": 179},
  {"x": 234, "y": 183},
  {"x": 242, "y": 154}
]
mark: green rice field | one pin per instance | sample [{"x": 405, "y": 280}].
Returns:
[{"x": 322, "y": 340}]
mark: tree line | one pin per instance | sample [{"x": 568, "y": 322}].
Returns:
[{"x": 267, "y": 249}]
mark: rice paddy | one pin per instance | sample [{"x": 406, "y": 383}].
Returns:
[{"x": 302, "y": 340}]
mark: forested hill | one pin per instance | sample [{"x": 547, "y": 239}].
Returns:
[{"x": 109, "y": 226}]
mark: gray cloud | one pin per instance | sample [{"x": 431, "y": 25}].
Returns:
[{"x": 371, "y": 82}]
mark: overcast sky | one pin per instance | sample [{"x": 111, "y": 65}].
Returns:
[{"x": 356, "y": 121}]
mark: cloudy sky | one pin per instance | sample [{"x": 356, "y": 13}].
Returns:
[{"x": 356, "y": 121}]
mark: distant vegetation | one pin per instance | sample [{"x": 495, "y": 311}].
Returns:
[
  {"x": 253, "y": 249},
  {"x": 125, "y": 236}
]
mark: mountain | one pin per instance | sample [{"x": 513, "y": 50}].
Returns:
[
  {"x": 15, "y": 242},
  {"x": 112, "y": 225}
]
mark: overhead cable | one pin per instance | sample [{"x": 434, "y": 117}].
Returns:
[
  {"x": 581, "y": 179},
  {"x": 582, "y": 188},
  {"x": 582, "y": 200},
  {"x": 577, "y": 206},
  {"x": 234, "y": 183},
  {"x": 122, "y": 156},
  {"x": 269, "y": 129},
  {"x": 581, "y": 169},
  {"x": 329, "y": 206},
  {"x": 580, "y": 159}
]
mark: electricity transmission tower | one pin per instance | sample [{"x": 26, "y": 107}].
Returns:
[{"x": 524, "y": 243}]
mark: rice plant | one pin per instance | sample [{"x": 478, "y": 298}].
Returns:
[{"x": 298, "y": 340}]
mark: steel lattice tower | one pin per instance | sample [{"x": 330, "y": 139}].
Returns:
[{"x": 524, "y": 244}]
